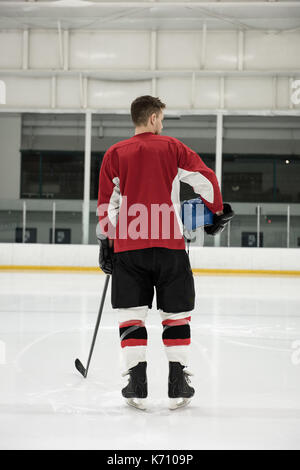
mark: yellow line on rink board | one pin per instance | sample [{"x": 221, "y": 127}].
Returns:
[
  {"x": 246, "y": 272},
  {"x": 49, "y": 268},
  {"x": 204, "y": 272}
]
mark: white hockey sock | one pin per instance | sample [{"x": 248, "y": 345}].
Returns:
[
  {"x": 133, "y": 336},
  {"x": 176, "y": 336}
]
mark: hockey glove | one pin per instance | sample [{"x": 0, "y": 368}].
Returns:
[
  {"x": 105, "y": 255},
  {"x": 219, "y": 221}
]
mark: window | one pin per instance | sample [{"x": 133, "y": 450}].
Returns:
[
  {"x": 265, "y": 178},
  {"x": 261, "y": 159},
  {"x": 96, "y": 162},
  {"x": 57, "y": 174}
]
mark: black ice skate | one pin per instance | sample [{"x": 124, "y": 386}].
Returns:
[
  {"x": 136, "y": 390},
  {"x": 180, "y": 393}
]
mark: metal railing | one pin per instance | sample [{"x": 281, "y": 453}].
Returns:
[{"x": 257, "y": 223}]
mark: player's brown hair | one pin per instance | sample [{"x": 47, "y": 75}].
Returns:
[{"x": 142, "y": 108}]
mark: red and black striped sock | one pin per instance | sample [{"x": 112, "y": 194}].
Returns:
[
  {"x": 177, "y": 332},
  {"x": 133, "y": 333}
]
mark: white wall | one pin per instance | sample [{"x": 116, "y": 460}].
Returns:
[
  {"x": 186, "y": 69},
  {"x": 10, "y": 142},
  {"x": 15, "y": 254}
]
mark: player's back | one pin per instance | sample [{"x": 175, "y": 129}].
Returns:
[
  {"x": 147, "y": 166},
  {"x": 140, "y": 183}
]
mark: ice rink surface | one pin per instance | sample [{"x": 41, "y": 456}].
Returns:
[{"x": 245, "y": 356}]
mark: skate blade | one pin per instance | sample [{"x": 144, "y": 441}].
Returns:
[
  {"x": 176, "y": 403},
  {"x": 139, "y": 403}
]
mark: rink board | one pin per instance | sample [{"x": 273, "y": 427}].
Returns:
[{"x": 204, "y": 260}]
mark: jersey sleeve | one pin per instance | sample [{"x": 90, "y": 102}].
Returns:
[
  {"x": 193, "y": 171},
  {"x": 108, "y": 196}
]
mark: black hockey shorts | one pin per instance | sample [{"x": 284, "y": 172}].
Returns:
[{"x": 137, "y": 272}]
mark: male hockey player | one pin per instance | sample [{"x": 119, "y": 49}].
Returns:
[{"x": 142, "y": 243}]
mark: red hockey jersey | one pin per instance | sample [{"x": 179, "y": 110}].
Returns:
[{"x": 139, "y": 184}]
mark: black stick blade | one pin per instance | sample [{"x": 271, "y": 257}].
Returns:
[{"x": 80, "y": 367}]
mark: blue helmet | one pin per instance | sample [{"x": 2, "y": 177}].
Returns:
[{"x": 194, "y": 214}]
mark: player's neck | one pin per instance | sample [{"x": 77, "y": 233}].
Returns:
[{"x": 141, "y": 130}]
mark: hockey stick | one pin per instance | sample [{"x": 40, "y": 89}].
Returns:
[{"x": 78, "y": 363}]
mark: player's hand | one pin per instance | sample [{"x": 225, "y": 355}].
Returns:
[
  {"x": 106, "y": 255},
  {"x": 219, "y": 221}
]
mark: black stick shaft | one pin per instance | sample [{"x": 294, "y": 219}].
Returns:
[{"x": 98, "y": 322}]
